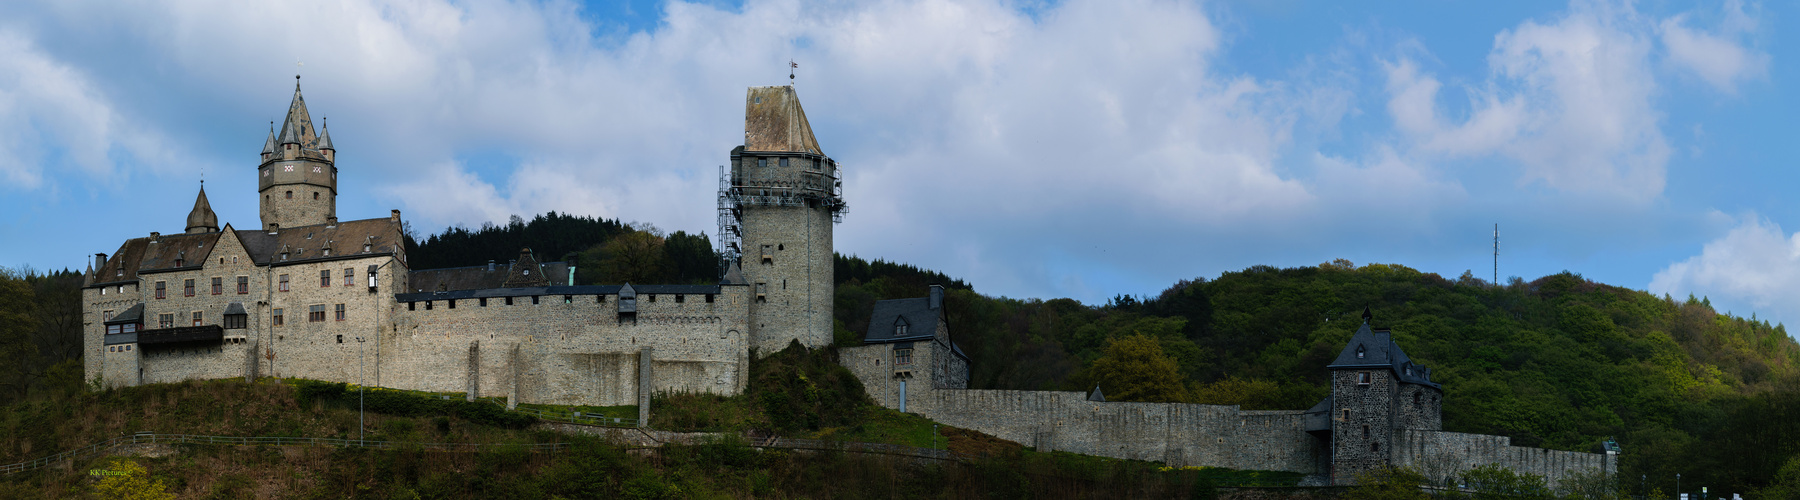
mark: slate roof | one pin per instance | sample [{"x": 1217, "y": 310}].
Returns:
[
  {"x": 133, "y": 315},
  {"x": 122, "y": 265},
  {"x": 172, "y": 252},
  {"x": 1379, "y": 351},
  {"x": 774, "y": 121},
  {"x": 558, "y": 290},
  {"x": 307, "y": 243},
  {"x": 202, "y": 216},
  {"x": 921, "y": 320},
  {"x": 479, "y": 277}
]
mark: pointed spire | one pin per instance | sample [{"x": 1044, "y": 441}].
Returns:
[
  {"x": 202, "y": 219},
  {"x": 297, "y": 128},
  {"x": 269, "y": 145},
  {"x": 325, "y": 136}
]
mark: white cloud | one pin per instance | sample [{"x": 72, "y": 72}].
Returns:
[
  {"x": 52, "y": 116},
  {"x": 1570, "y": 101},
  {"x": 1720, "y": 57},
  {"x": 1755, "y": 263}
]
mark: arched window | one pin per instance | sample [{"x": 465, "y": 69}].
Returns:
[{"x": 290, "y": 195}]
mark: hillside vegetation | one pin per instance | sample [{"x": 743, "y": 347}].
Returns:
[{"x": 1558, "y": 362}]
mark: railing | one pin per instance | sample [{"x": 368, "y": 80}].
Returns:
[
  {"x": 153, "y": 438},
  {"x": 857, "y": 447}
]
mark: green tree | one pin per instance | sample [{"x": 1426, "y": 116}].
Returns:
[
  {"x": 1786, "y": 483},
  {"x": 17, "y": 325},
  {"x": 635, "y": 257},
  {"x": 1494, "y": 482},
  {"x": 1135, "y": 369}
]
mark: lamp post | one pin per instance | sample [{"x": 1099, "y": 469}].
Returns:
[
  {"x": 359, "y": 390},
  {"x": 1678, "y": 485}
]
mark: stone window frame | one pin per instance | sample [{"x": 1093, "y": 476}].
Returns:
[
  {"x": 762, "y": 163},
  {"x": 349, "y": 276},
  {"x": 341, "y": 314},
  {"x": 1363, "y": 378},
  {"x": 187, "y": 287},
  {"x": 680, "y": 298},
  {"x": 782, "y": 162},
  {"x": 534, "y": 300},
  {"x": 284, "y": 283},
  {"x": 218, "y": 285},
  {"x": 165, "y": 320},
  {"x": 412, "y": 306},
  {"x": 324, "y": 278},
  {"x": 162, "y": 290},
  {"x": 315, "y": 313},
  {"x": 198, "y": 318},
  {"x": 243, "y": 285},
  {"x": 276, "y": 318}
]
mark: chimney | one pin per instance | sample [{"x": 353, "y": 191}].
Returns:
[
  {"x": 99, "y": 261},
  {"x": 154, "y": 236},
  {"x": 331, "y": 221},
  {"x": 274, "y": 228},
  {"x": 937, "y": 297},
  {"x": 394, "y": 216},
  {"x": 490, "y": 265}
]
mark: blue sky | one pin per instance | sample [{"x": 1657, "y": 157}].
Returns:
[{"x": 1037, "y": 149}]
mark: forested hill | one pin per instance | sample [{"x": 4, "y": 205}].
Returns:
[{"x": 1558, "y": 362}]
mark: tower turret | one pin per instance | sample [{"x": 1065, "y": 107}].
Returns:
[
  {"x": 782, "y": 196},
  {"x": 1377, "y": 392},
  {"x": 297, "y": 178},
  {"x": 202, "y": 219}
]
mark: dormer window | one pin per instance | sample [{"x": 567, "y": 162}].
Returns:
[
  {"x": 900, "y": 327},
  {"x": 1360, "y": 352}
]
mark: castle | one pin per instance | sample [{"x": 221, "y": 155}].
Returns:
[
  {"x": 307, "y": 295},
  {"x": 214, "y": 301}
]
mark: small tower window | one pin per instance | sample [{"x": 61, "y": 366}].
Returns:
[
  {"x": 1418, "y": 398},
  {"x": 290, "y": 195},
  {"x": 762, "y": 162},
  {"x": 1365, "y": 432},
  {"x": 784, "y": 162},
  {"x": 1362, "y": 378},
  {"x": 315, "y": 195}
]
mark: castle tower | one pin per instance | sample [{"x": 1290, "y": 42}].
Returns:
[
  {"x": 202, "y": 219},
  {"x": 1376, "y": 394},
  {"x": 784, "y": 194},
  {"x": 298, "y": 175}
]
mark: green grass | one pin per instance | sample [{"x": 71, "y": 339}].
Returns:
[
  {"x": 886, "y": 425},
  {"x": 626, "y": 411}
]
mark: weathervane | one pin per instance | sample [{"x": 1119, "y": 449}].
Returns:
[{"x": 791, "y": 66}]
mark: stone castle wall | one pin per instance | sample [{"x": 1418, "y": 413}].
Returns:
[
  {"x": 1174, "y": 433},
  {"x": 1440, "y": 454},
  {"x": 1363, "y": 438},
  {"x": 303, "y": 177},
  {"x": 570, "y": 349},
  {"x": 796, "y": 279}
]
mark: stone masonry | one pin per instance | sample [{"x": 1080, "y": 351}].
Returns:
[{"x": 305, "y": 295}]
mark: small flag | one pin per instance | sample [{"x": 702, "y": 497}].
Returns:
[{"x": 792, "y": 64}]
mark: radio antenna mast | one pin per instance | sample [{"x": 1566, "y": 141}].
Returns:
[{"x": 1496, "y": 254}]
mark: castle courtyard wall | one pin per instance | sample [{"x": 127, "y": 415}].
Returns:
[{"x": 1442, "y": 454}]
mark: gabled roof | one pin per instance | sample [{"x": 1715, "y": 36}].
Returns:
[
  {"x": 177, "y": 251},
  {"x": 526, "y": 272},
  {"x": 122, "y": 265},
  {"x": 920, "y": 318},
  {"x": 774, "y": 121},
  {"x": 346, "y": 239},
  {"x": 452, "y": 279},
  {"x": 1370, "y": 348}
]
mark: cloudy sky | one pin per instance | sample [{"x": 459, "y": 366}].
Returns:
[{"x": 1076, "y": 148}]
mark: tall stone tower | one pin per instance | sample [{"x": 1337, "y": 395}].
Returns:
[
  {"x": 1376, "y": 393},
  {"x": 782, "y": 197},
  {"x": 298, "y": 175}
]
